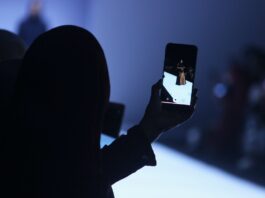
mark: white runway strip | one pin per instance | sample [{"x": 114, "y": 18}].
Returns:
[{"x": 177, "y": 175}]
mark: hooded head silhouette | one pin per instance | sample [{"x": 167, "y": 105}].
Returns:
[{"x": 61, "y": 95}]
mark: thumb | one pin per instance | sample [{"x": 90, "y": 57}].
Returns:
[{"x": 155, "y": 95}]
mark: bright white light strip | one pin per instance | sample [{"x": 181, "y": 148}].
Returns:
[{"x": 177, "y": 175}]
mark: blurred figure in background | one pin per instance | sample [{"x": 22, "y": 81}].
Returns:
[
  {"x": 33, "y": 25},
  {"x": 11, "y": 46},
  {"x": 229, "y": 129},
  {"x": 253, "y": 140},
  {"x": 238, "y": 138},
  {"x": 243, "y": 101},
  {"x": 12, "y": 49}
]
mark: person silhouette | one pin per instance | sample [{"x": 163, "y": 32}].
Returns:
[
  {"x": 12, "y": 49},
  {"x": 33, "y": 25},
  {"x": 61, "y": 96},
  {"x": 181, "y": 80},
  {"x": 11, "y": 46}
]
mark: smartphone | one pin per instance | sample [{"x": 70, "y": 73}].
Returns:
[{"x": 178, "y": 74}]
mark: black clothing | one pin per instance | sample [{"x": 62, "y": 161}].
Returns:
[
  {"x": 11, "y": 46},
  {"x": 8, "y": 75},
  {"x": 124, "y": 156},
  {"x": 61, "y": 94},
  {"x": 53, "y": 145}
]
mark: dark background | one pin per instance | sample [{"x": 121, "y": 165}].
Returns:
[{"x": 133, "y": 35}]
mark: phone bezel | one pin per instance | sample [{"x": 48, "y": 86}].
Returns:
[{"x": 194, "y": 48}]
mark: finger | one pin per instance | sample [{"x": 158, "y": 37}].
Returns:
[
  {"x": 156, "y": 87},
  {"x": 194, "y": 101},
  {"x": 194, "y": 97},
  {"x": 155, "y": 95},
  {"x": 194, "y": 91}
]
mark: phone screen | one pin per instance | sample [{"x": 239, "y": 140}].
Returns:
[{"x": 178, "y": 74}]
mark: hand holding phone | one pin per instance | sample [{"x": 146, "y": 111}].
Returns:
[
  {"x": 173, "y": 98},
  {"x": 158, "y": 119}
]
